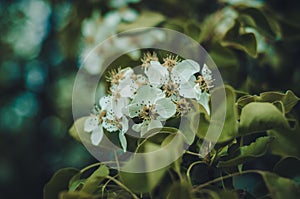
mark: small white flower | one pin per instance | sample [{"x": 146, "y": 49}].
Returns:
[
  {"x": 177, "y": 80},
  {"x": 201, "y": 89},
  {"x": 114, "y": 119},
  {"x": 150, "y": 105},
  {"x": 125, "y": 83},
  {"x": 157, "y": 74},
  {"x": 93, "y": 125}
]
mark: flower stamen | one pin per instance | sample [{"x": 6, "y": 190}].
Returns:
[
  {"x": 148, "y": 113},
  {"x": 148, "y": 57}
]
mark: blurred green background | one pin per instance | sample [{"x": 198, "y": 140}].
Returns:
[{"x": 42, "y": 44}]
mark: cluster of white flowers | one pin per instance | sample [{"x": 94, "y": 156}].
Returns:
[{"x": 163, "y": 91}]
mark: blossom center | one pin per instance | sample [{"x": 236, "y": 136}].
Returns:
[
  {"x": 183, "y": 106},
  {"x": 148, "y": 57},
  {"x": 148, "y": 112},
  {"x": 170, "y": 61},
  {"x": 115, "y": 76},
  {"x": 203, "y": 84},
  {"x": 101, "y": 115},
  {"x": 170, "y": 89}
]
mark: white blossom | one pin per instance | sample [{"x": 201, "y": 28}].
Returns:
[
  {"x": 201, "y": 89},
  {"x": 150, "y": 105},
  {"x": 177, "y": 80},
  {"x": 92, "y": 125}
]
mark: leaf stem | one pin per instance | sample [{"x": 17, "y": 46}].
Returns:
[
  {"x": 192, "y": 153},
  {"x": 123, "y": 186},
  {"x": 190, "y": 168},
  {"x": 223, "y": 178}
]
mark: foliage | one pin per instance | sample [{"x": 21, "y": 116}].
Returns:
[
  {"x": 224, "y": 167},
  {"x": 256, "y": 126}
]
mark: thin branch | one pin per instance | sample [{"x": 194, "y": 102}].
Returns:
[
  {"x": 123, "y": 186},
  {"x": 223, "y": 178}
]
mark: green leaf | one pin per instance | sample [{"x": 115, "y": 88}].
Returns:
[
  {"x": 180, "y": 191},
  {"x": 241, "y": 41},
  {"x": 261, "y": 116},
  {"x": 224, "y": 58},
  {"x": 76, "y": 195},
  {"x": 276, "y": 187},
  {"x": 258, "y": 21},
  {"x": 279, "y": 187},
  {"x": 289, "y": 99},
  {"x": 247, "y": 153},
  {"x": 230, "y": 128},
  {"x": 59, "y": 182},
  {"x": 189, "y": 123},
  {"x": 154, "y": 159},
  {"x": 77, "y": 131},
  {"x": 192, "y": 29},
  {"x": 286, "y": 141},
  {"x": 145, "y": 19},
  {"x": 147, "y": 181},
  {"x": 175, "y": 24},
  {"x": 92, "y": 183}
]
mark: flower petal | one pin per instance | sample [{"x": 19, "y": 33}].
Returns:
[
  {"x": 110, "y": 125},
  {"x": 147, "y": 95},
  {"x": 183, "y": 71},
  {"x": 123, "y": 141},
  {"x": 187, "y": 89},
  {"x": 165, "y": 108},
  {"x": 105, "y": 102},
  {"x": 119, "y": 105},
  {"x": 157, "y": 74},
  {"x": 206, "y": 73},
  {"x": 91, "y": 123},
  {"x": 97, "y": 135},
  {"x": 134, "y": 109},
  {"x": 124, "y": 124},
  {"x": 128, "y": 89},
  {"x": 203, "y": 99}
]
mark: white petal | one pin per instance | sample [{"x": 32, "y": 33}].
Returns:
[
  {"x": 97, "y": 135},
  {"x": 165, "y": 108},
  {"x": 206, "y": 73},
  {"x": 147, "y": 95},
  {"x": 91, "y": 123},
  {"x": 127, "y": 72},
  {"x": 183, "y": 71},
  {"x": 157, "y": 74},
  {"x": 105, "y": 102},
  {"x": 128, "y": 89},
  {"x": 154, "y": 124},
  {"x": 134, "y": 109},
  {"x": 203, "y": 99},
  {"x": 123, "y": 141},
  {"x": 109, "y": 126},
  {"x": 124, "y": 124},
  {"x": 144, "y": 128},
  {"x": 141, "y": 79},
  {"x": 187, "y": 89},
  {"x": 119, "y": 105},
  {"x": 129, "y": 15}
]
